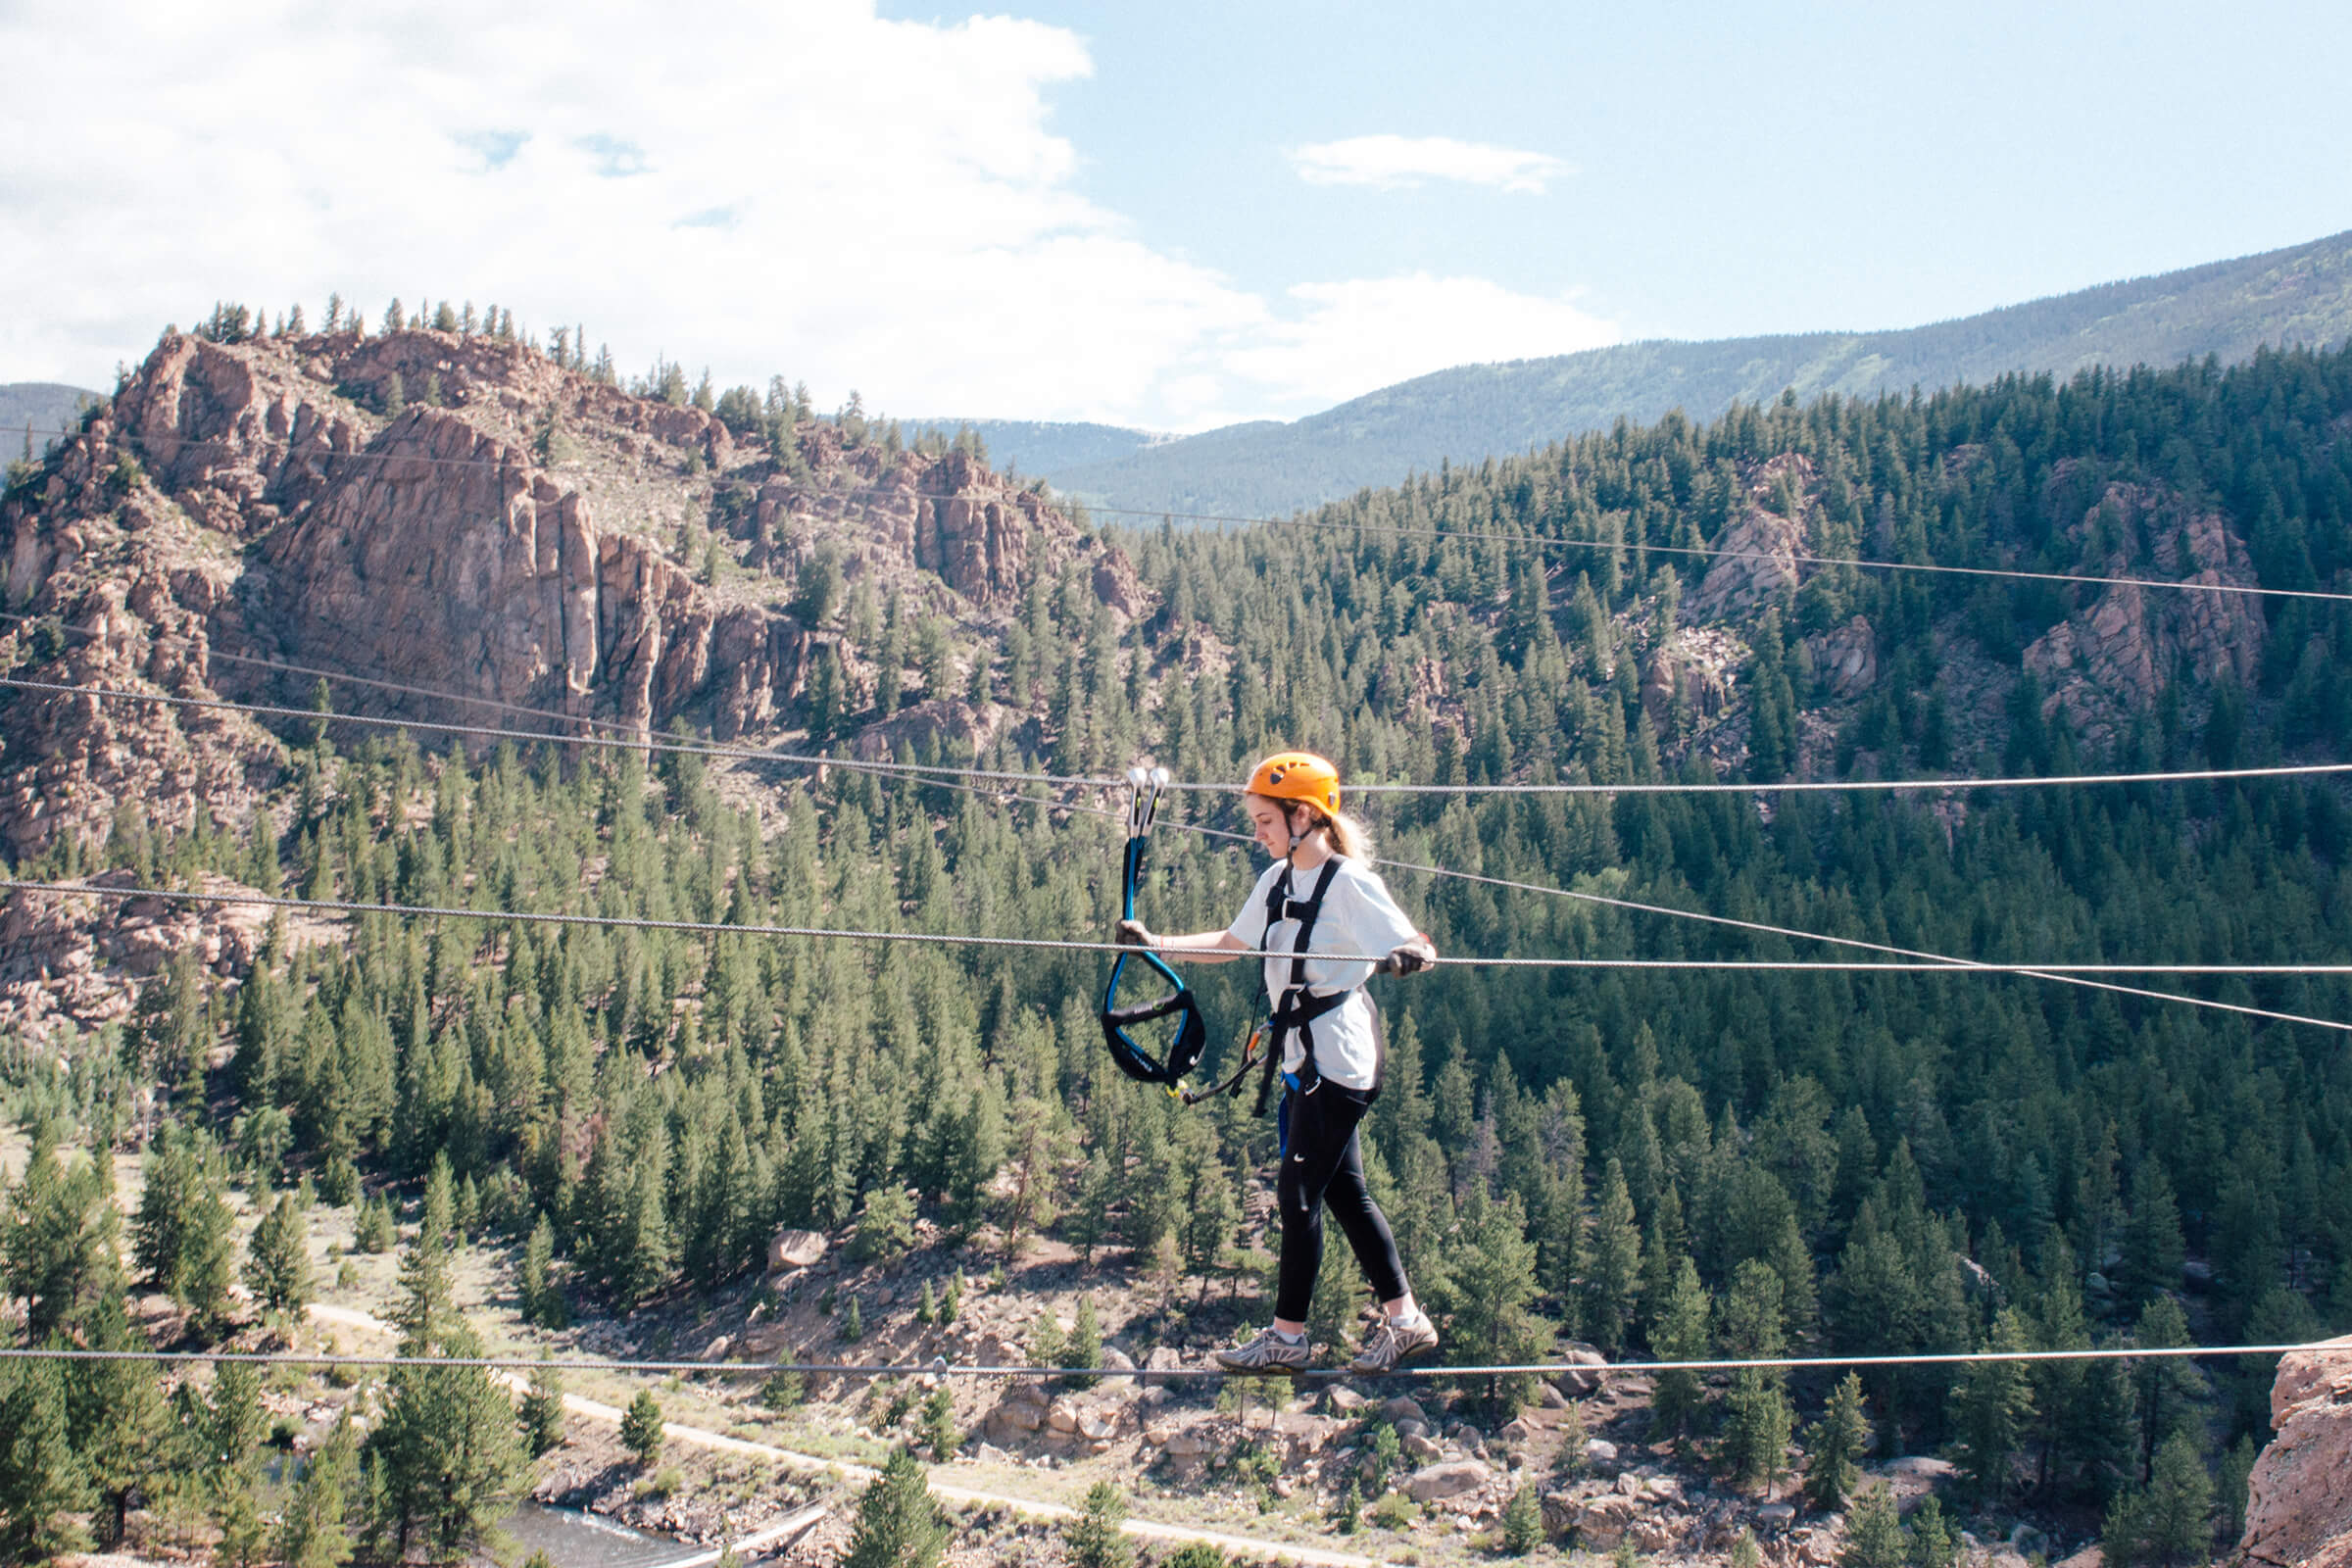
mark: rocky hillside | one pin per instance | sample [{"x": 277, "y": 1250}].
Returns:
[{"x": 465, "y": 513}]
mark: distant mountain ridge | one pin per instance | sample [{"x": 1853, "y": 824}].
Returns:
[
  {"x": 1045, "y": 447},
  {"x": 45, "y": 407},
  {"x": 2228, "y": 308}
]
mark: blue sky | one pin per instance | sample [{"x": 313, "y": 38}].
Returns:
[
  {"x": 1168, "y": 216},
  {"x": 1738, "y": 169}
]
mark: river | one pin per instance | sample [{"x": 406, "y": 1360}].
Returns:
[{"x": 572, "y": 1539}]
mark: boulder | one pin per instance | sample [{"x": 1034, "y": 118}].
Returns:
[
  {"x": 1016, "y": 1418},
  {"x": 1098, "y": 1423},
  {"x": 790, "y": 1249},
  {"x": 1162, "y": 1360},
  {"x": 1845, "y": 660},
  {"x": 1345, "y": 1400},
  {"x": 1062, "y": 1415},
  {"x": 1599, "y": 1451},
  {"x": 1601, "y": 1522},
  {"x": 1186, "y": 1443},
  {"x": 1306, "y": 1433},
  {"x": 1451, "y": 1479},
  {"x": 2299, "y": 1498},
  {"x": 1582, "y": 1377},
  {"x": 1401, "y": 1409},
  {"x": 1417, "y": 1446}
]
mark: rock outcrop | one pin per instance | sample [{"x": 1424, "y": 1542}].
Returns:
[
  {"x": 2299, "y": 1499},
  {"x": 1755, "y": 556},
  {"x": 457, "y": 513},
  {"x": 2114, "y": 657}
]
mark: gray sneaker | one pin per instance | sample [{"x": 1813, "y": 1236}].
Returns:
[
  {"x": 1268, "y": 1352},
  {"x": 1391, "y": 1344}
]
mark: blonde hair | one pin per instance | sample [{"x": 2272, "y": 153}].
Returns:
[{"x": 1348, "y": 837}]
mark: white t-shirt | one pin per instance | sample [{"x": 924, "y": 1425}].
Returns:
[{"x": 1357, "y": 917}]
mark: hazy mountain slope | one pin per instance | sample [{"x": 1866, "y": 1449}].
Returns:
[
  {"x": 2228, "y": 308},
  {"x": 1038, "y": 446},
  {"x": 43, "y": 404}
]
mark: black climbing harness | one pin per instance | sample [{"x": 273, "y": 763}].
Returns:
[
  {"x": 1192, "y": 1033},
  {"x": 1298, "y": 1007}
]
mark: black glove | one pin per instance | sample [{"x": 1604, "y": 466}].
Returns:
[
  {"x": 1410, "y": 959},
  {"x": 1132, "y": 933}
]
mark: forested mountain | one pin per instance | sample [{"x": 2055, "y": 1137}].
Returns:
[
  {"x": 2300, "y": 295},
  {"x": 1671, "y": 1161}
]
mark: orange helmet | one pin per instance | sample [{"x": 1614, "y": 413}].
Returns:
[{"x": 1298, "y": 776}]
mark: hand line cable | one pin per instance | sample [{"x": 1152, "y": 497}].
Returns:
[
  {"x": 182, "y": 444},
  {"x": 1937, "y": 961},
  {"x": 126, "y": 894},
  {"x": 2326, "y": 1350}
]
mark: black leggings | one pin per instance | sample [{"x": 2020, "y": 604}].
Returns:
[{"x": 1323, "y": 1167}]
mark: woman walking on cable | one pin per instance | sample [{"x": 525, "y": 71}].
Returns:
[{"x": 1320, "y": 895}]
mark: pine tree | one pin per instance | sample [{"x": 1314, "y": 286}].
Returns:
[
  {"x": 939, "y": 1425},
  {"x": 1835, "y": 1444},
  {"x": 1613, "y": 1263},
  {"x": 1084, "y": 1347},
  {"x": 542, "y": 1414},
  {"x": 314, "y": 1531},
  {"x": 40, "y": 1482},
  {"x": 1522, "y": 1521},
  {"x": 1094, "y": 1538},
  {"x": 2166, "y": 1389},
  {"x": 1874, "y": 1533},
  {"x": 1678, "y": 1333},
  {"x": 278, "y": 1260},
  {"x": 541, "y": 1301},
  {"x": 1991, "y": 1406},
  {"x": 1490, "y": 1273},
  {"x": 640, "y": 1428},
  {"x": 232, "y": 1433},
  {"x": 57, "y": 1249},
  {"x": 182, "y": 1235},
  {"x": 116, "y": 1418},
  {"x": 1933, "y": 1543},
  {"x": 899, "y": 1525},
  {"x": 446, "y": 1455},
  {"x": 2175, "y": 1513},
  {"x": 1759, "y": 1422},
  {"x": 376, "y": 1230}
]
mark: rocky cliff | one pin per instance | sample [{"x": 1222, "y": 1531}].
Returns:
[
  {"x": 2299, "y": 1499},
  {"x": 459, "y": 513},
  {"x": 2101, "y": 666}
]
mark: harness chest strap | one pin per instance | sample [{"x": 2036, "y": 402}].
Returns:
[{"x": 1298, "y": 1007}]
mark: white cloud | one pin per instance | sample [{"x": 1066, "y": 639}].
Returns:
[
  {"x": 1396, "y": 162},
  {"x": 1354, "y": 337},
  {"x": 792, "y": 187}
]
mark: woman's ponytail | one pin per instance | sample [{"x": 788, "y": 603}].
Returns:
[{"x": 1349, "y": 837}]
